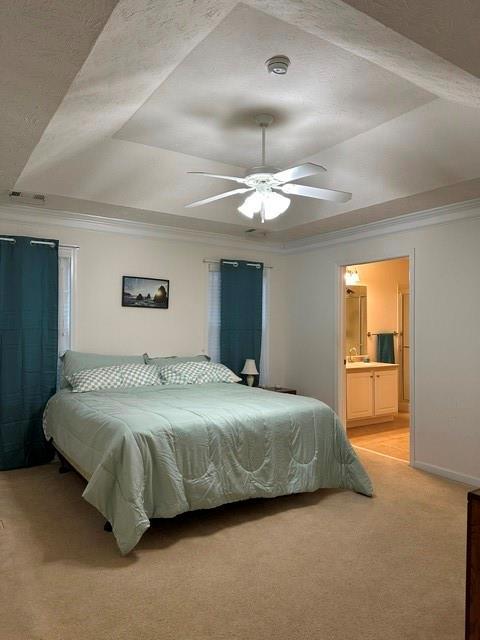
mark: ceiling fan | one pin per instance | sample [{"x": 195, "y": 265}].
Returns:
[{"x": 266, "y": 182}]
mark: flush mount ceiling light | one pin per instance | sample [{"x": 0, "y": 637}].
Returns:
[
  {"x": 351, "y": 275},
  {"x": 278, "y": 65},
  {"x": 265, "y": 181}
]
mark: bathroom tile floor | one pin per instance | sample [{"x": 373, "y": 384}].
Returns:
[{"x": 389, "y": 438}]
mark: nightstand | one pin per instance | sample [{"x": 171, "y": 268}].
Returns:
[{"x": 280, "y": 390}]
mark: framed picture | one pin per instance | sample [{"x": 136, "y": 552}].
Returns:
[{"x": 145, "y": 293}]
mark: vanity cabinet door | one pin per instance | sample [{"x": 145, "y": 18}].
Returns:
[
  {"x": 386, "y": 392},
  {"x": 359, "y": 395}
]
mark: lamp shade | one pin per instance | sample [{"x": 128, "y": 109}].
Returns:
[
  {"x": 250, "y": 367},
  {"x": 273, "y": 204}
]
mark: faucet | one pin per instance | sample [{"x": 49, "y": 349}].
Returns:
[{"x": 352, "y": 352}]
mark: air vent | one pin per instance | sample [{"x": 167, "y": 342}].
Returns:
[
  {"x": 24, "y": 197},
  {"x": 256, "y": 233}
]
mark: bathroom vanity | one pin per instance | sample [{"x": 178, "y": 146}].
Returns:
[{"x": 372, "y": 392}]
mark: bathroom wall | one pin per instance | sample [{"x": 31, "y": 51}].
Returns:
[{"x": 382, "y": 280}]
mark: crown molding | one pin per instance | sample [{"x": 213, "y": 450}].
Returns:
[
  {"x": 408, "y": 222},
  {"x": 32, "y": 215}
]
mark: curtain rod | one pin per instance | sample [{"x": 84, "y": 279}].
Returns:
[
  {"x": 252, "y": 264},
  {"x": 50, "y": 244}
]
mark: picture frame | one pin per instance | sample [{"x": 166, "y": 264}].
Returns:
[{"x": 140, "y": 292}]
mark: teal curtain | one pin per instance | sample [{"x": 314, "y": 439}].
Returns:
[
  {"x": 28, "y": 347},
  {"x": 241, "y": 300}
]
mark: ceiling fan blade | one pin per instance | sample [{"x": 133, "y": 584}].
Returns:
[
  {"x": 225, "y": 194},
  {"x": 301, "y": 171},
  {"x": 216, "y": 175},
  {"x": 316, "y": 192}
]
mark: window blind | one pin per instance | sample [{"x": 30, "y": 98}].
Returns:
[
  {"x": 65, "y": 296},
  {"x": 214, "y": 312}
]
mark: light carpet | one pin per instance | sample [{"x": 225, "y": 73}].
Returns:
[{"x": 332, "y": 565}]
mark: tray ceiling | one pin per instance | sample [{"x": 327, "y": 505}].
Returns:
[
  {"x": 163, "y": 87},
  {"x": 205, "y": 108}
]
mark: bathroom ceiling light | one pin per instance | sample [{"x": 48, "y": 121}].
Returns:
[{"x": 351, "y": 275}]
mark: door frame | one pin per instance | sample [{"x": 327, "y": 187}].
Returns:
[
  {"x": 340, "y": 379},
  {"x": 402, "y": 290}
]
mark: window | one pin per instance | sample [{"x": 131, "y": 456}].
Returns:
[
  {"x": 214, "y": 319},
  {"x": 66, "y": 275}
]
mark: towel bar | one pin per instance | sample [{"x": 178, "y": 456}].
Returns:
[{"x": 376, "y": 333}]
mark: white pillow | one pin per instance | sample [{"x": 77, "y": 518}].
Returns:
[
  {"x": 115, "y": 377},
  {"x": 197, "y": 373},
  {"x": 217, "y": 372}
]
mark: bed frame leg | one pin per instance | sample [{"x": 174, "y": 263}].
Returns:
[
  {"x": 65, "y": 466},
  {"x": 107, "y": 527}
]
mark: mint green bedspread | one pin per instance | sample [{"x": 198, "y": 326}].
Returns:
[{"x": 159, "y": 451}]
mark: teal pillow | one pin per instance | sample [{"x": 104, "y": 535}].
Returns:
[
  {"x": 162, "y": 361},
  {"x": 73, "y": 361}
]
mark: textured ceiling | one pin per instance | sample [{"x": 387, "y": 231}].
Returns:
[
  {"x": 385, "y": 138},
  {"x": 449, "y": 28},
  {"x": 357, "y": 32},
  {"x": 451, "y": 194},
  {"x": 43, "y": 44},
  {"x": 205, "y": 108}
]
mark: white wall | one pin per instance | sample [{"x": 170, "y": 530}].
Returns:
[
  {"x": 447, "y": 334},
  {"x": 303, "y": 333},
  {"x": 104, "y": 326}
]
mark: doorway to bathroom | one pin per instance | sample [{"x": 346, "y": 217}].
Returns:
[{"x": 376, "y": 350}]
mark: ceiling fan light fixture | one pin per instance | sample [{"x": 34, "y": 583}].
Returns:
[
  {"x": 251, "y": 205},
  {"x": 274, "y": 205},
  {"x": 265, "y": 181},
  {"x": 269, "y": 204}
]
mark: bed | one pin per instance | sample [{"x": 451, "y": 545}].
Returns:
[{"x": 157, "y": 451}]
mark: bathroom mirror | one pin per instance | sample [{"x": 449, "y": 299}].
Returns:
[{"x": 355, "y": 320}]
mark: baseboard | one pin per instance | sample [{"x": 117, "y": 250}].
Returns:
[{"x": 447, "y": 473}]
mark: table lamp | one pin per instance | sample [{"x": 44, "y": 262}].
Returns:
[{"x": 250, "y": 369}]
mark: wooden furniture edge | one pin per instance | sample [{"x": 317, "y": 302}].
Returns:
[{"x": 472, "y": 497}]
